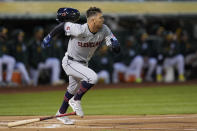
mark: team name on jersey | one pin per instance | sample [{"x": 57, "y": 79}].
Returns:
[{"x": 89, "y": 44}]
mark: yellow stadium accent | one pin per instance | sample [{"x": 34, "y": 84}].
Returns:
[{"x": 107, "y": 7}]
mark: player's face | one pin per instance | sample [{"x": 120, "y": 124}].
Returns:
[
  {"x": 20, "y": 36},
  {"x": 39, "y": 34},
  {"x": 98, "y": 20},
  {"x": 4, "y": 32}
]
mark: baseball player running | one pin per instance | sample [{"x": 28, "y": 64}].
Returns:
[{"x": 84, "y": 40}]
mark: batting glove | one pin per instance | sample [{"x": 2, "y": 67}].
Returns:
[
  {"x": 115, "y": 45},
  {"x": 46, "y": 41}
]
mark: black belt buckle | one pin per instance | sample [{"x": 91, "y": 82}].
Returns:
[{"x": 71, "y": 58}]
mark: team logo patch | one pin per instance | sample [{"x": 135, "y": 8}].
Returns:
[
  {"x": 68, "y": 28},
  {"x": 63, "y": 14}
]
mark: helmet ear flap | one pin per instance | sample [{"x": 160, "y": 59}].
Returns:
[{"x": 67, "y": 14}]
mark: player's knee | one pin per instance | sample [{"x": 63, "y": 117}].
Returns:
[
  {"x": 153, "y": 62},
  {"x": 139, "y": 60},
  {"x": 93, "y": 79},
  {"x": 11, "y": 60},
  {"x": 180, "y": 58},
  {"x": 72, "y": 90}
]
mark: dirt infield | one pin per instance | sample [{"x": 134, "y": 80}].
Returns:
[
  {"x": 102, "y": 122},
  {"x": 108, "y": 123}
]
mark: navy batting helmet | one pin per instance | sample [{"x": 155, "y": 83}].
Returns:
[{"x": 67, "y": 14}]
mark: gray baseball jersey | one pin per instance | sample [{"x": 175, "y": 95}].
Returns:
[
  {"x": 83, "y": 43},
  {"x": 81, "y": 47}
]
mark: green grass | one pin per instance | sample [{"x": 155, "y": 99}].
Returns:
[{"x": 122, "y": 101}]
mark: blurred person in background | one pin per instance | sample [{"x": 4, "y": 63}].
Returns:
[
  {"x": 20, "y": 53},
  {"x": 113, "y": 22},
  {"x": 131, "y": 65},
  {"x": 36, "y": 54},
  {"x": 174, "y": 56},
  {"x": 133, "y": 61},
  {"x": 6, "y": 58},
  {"x": 119, "y": 68},
  {"x": 189, "y": 52},
  {"x": 102, "y": 61},
  {"x": 147, "y": 51},
  {"x": 158, "y": 45},
  {"x": 40, "y": 62},
  {"x": 54, "y": 53}
]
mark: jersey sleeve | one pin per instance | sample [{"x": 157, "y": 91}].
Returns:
[
  {"x": 108, "y": 36},
  {"x": 72, "y": 29}
]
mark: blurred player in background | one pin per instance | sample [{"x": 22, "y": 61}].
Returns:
[
  {"x": 36, "y": 54},
  {"x": 20, "y": 53},
  {"x": 146, "y": 51},
  {"x": 131, "y": 65},
  {"x": 6, "y": 58},
  {"x": 102, "y": 63},
  {"x": 39, "y": 60},
  {"x": 134, "y": 61},
  {"x": 54, "y": 54},
  {"x": 158, "y": 45},
  {"x": 84, "y": 40},
  {"x": 174, "y": 58}
]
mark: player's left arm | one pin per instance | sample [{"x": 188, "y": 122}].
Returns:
[{"x": 112, "y": 41}]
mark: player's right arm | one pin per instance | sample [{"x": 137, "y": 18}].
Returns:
[
  {"x": 56, "y": 30},
  {"x": 71, "y": 29},
  {"x": 64, "y": 15}
]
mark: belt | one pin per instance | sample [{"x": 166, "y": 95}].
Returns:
[{"x": 80, "y": 61}]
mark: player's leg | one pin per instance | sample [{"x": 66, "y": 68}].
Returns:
[
  {"x": 179, "y": 62},
  {"x": 22, "y": 69},
  {"x": 2, "y": 84},
  {"x": 152, "y": 62},
  {"x": 104, "y": 75},
  {"x": 118, "y": 68},
  {"x": 34, "y": 76},
  {"x": 54, "y": 65},
  {"x": 87, "y": 77},
  {"x": 10, "y": 63},
  {"x": 137, "y": 65},
  {"x": 159, "y": 69},
  {"x": 169, "y": 69},
  {"x": 35, "y": 72},
  {"x": 71, "y": 90},
  {"x": 1, "y": 70}
]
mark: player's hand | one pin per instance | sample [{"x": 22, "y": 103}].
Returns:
[
  {"x": 46, "y": 41},
  {"x": 115, "y": 45}
]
